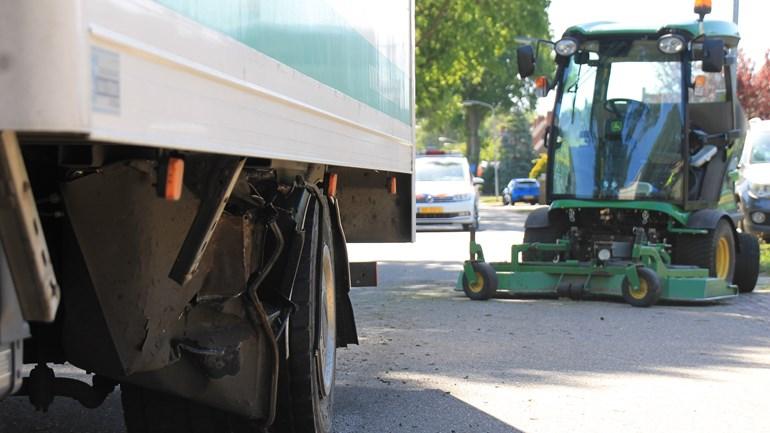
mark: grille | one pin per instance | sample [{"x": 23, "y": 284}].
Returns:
[
  {"x": 436, "y": 200},
  {"x": 442, "y": 215}
]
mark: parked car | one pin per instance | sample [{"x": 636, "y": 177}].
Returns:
[
  {"x": 523, "y": 189},
  {"x": 445, "y": 191},
  {"x": 753, "y": 186}
]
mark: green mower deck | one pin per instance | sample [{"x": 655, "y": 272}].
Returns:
[{"x": 573, "y": 279}]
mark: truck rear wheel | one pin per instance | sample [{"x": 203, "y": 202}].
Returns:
[{"x": 312, "y": 336}]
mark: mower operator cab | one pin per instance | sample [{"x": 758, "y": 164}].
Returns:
[
  {"x": 642, "y": 160},
  {"x": 642, "y": 113}
]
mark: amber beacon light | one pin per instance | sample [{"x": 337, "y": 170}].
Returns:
[{"x": 702, "y": 8}]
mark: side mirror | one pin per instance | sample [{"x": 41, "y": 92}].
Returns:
[
  {"x": 478, "y": 181},
  {"x": 713, "y": 55},
  {"x": 525, "y": 57}
]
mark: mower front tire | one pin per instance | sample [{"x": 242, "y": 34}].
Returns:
[
  {"x": 746, "y": 263},
  {"x": 485, "y": 285},
  {"x": 649, "y": 290}
]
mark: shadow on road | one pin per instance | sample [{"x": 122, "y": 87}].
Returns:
[
  {"x": 64, "y": 416},
  {"x": 556, "y": 341},
  {"x": 405, "y": 410}
]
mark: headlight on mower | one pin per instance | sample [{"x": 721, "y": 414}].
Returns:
[
  {"x": 671, "y": 44},
  {"x": 566, "y": 47}
]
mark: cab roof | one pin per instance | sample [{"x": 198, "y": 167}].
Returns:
[{"x": 722, "y": 29}]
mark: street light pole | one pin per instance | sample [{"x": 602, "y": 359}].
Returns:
[{"x": 496, "y": 164}]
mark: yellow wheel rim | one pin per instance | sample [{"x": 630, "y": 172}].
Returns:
[
  {"x": 641, "y": 292},
  {"x": 722, "y": 259},
  {"x": 478, "y": 285}
]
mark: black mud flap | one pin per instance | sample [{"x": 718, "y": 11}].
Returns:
[{"x": 346, "y": 324}]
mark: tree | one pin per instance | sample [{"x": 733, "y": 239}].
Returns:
[
  {"x": 754, "y": 87},
  {"x": 513, "y": 136},
  {"x": 465, "y": 50}
]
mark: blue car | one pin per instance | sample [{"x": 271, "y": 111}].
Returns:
[{"x": 526, "y": 190}]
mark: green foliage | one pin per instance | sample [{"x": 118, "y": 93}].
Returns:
[
  {"x": 764, "y": 258},
  {"x": 512, "y": 143},
  {"x": 465, "y": 49},
  {"x": 516, "y": 152}
]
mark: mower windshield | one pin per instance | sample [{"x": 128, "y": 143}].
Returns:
[{"x": 618, "y": 124}]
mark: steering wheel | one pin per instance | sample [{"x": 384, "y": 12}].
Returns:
[{"x": 613, "y": 106}]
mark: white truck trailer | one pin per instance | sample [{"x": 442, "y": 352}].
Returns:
[{"x": 178, "y": 179}]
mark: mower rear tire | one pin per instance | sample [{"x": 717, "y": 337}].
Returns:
[
  {"x": 649, "y": 290},
  {"x": 746, "y": 263},
  {"x": 485, "y": 285},
  {"x": 547, "y": 235},
  {"x": 714, "y": 251}
]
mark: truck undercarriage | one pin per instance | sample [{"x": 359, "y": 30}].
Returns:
[{"x": 230, "y": 298}]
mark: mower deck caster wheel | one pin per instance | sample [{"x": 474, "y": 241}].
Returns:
[
  {"x": 485, "y": 285},
  {"x": 648, "y": 292}
]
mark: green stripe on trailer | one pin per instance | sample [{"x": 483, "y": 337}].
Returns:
[{"x": 311, "y": 37}]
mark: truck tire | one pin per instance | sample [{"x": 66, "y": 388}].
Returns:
[
  {"x": 714, "y": 251},
  {"x": 747, "y": 263},
  {"x": 312, "y": 336}
]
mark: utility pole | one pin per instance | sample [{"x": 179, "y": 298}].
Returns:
[{"x": 736, "y": 7}]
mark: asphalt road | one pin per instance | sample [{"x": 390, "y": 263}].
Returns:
[{"x": 431, "y": 361}]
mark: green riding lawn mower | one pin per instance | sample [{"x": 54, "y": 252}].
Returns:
[{"x": 642, "y": 152}]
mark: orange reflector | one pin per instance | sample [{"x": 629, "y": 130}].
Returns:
[
  {"x": 174, "y": 179},
  {"x": 331, "y": 188},
  {"x": 699, "y": 86},
  {"x": 700, "y": 81},
  {"x": 392, "y": 185},
  {"x": 702, "y": 7},
  {"x": 541, "y": 82}
]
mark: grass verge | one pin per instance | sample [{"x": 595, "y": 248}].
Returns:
[
  {"x": 490, "y": 199},
  {"x": 764, "y": 258}
]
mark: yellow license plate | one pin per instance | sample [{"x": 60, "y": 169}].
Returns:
[{"x": 435, "y": 209}]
